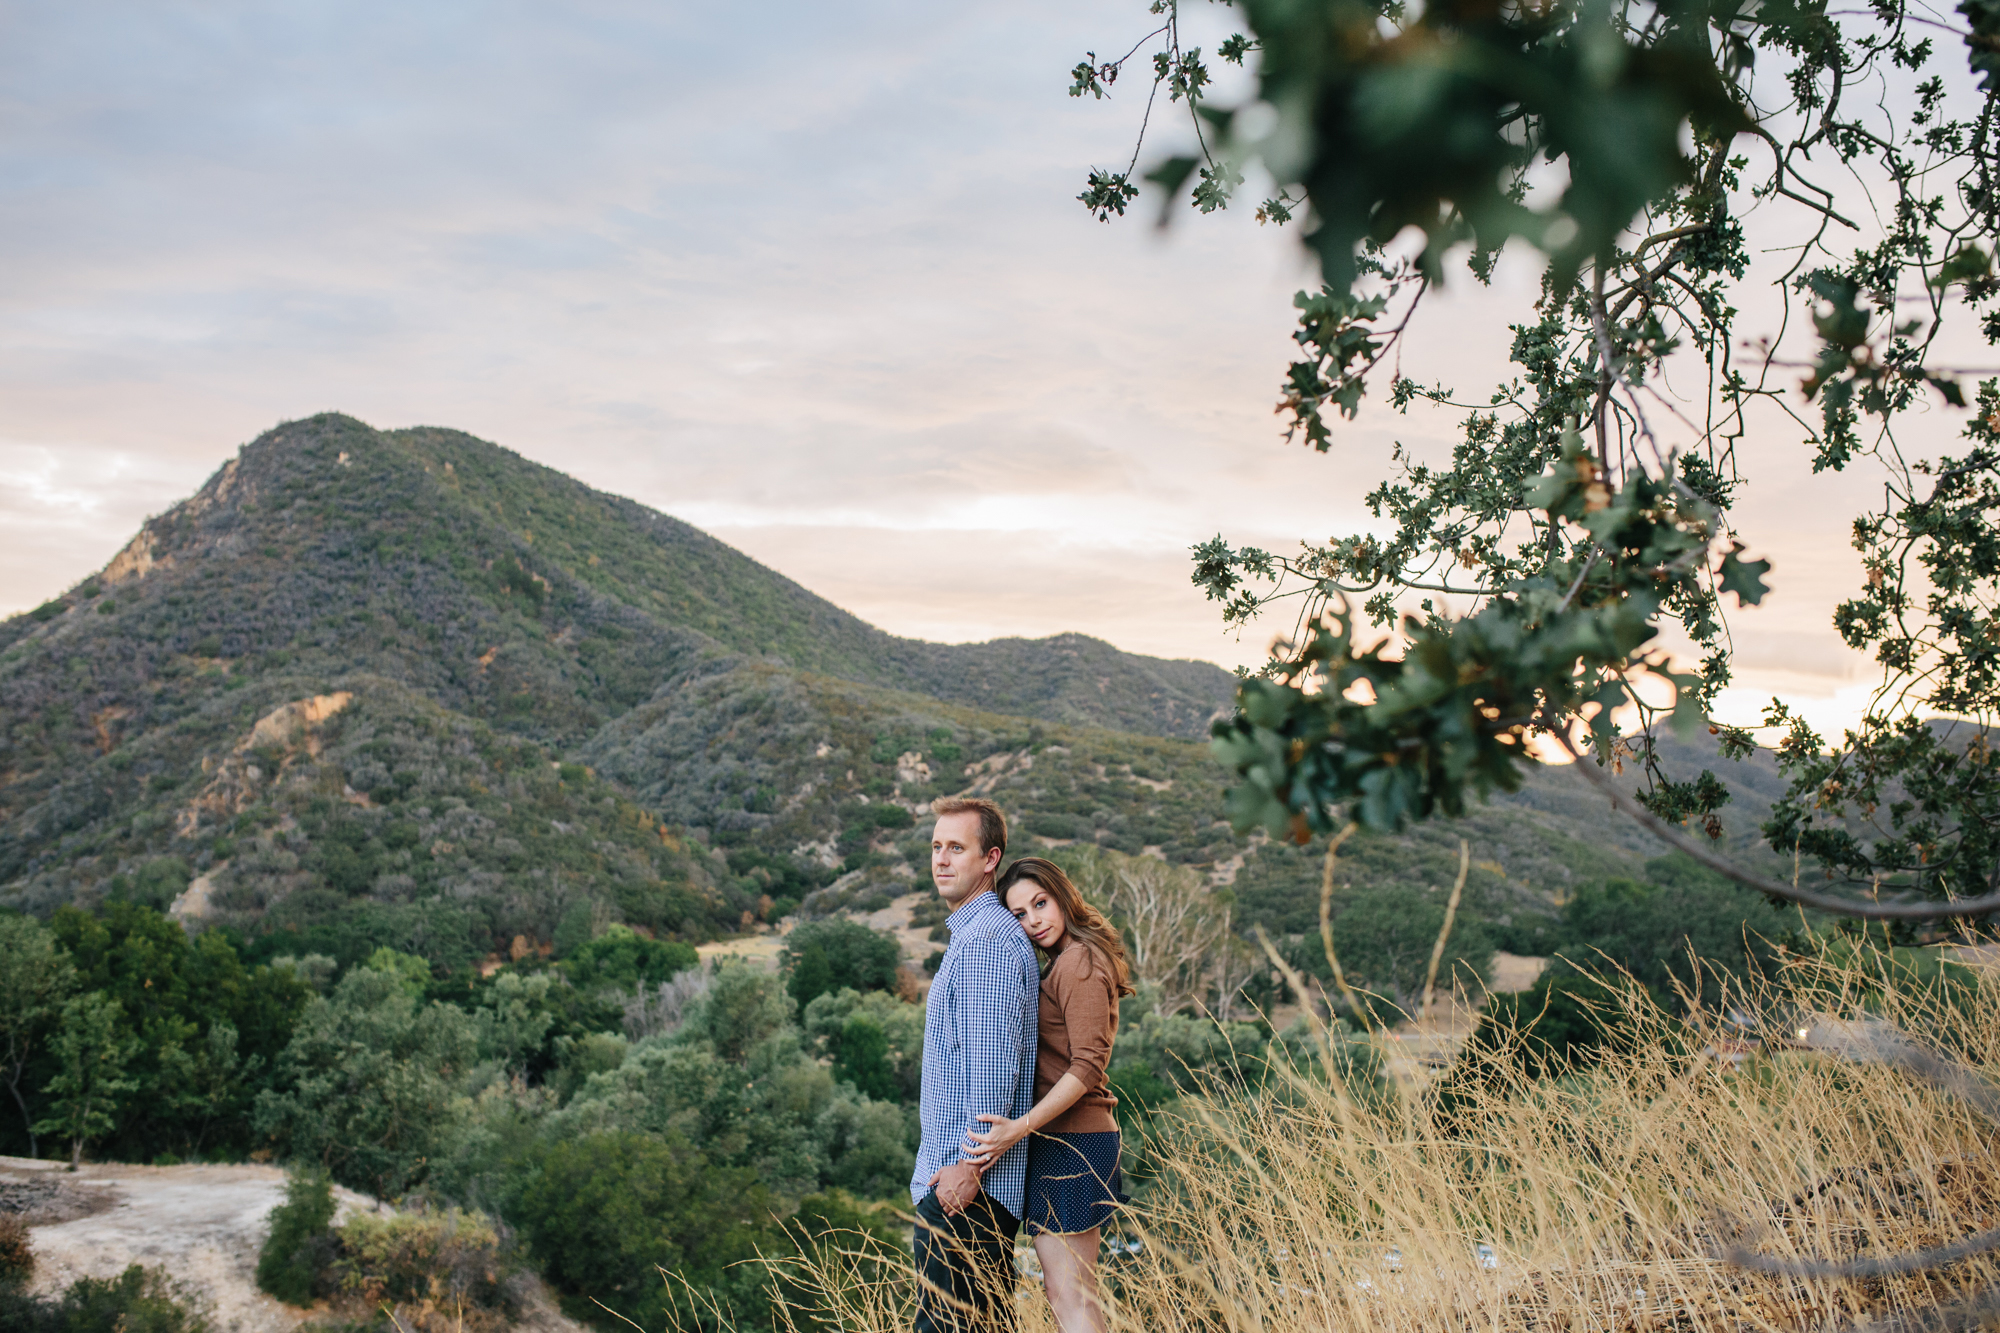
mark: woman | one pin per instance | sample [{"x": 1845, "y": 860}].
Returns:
[{"x": 1073, "y": 1177}]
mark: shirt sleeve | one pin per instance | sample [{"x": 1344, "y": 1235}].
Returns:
[
  {"x": 989, "y": 1032},
  {"x": 1083, "y": 993}
]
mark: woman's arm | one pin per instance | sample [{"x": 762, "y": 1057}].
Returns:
[
  {"x": 987, "y": 1148},
  {"x": 1083, "y": 994}
]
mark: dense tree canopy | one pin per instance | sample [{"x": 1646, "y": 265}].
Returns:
[{"x": 839, "y": 954}]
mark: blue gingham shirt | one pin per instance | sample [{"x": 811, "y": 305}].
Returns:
[{"x": 979, "y": 1045}]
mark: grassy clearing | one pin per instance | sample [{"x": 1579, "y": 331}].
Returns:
[{"x": 1605, "y": 1198}]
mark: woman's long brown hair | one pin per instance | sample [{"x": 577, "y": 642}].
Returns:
[{"x": 1082, "y": 920}]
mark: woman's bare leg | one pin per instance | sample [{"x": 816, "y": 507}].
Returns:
[{"x": 1069, "y": 1275}]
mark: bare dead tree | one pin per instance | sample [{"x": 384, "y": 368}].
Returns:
[
  {"x": 1177, "y": 934},
  {"x": 663, "y": 1008}
]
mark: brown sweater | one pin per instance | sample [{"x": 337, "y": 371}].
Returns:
[{"x": 1079, "y": 1021}]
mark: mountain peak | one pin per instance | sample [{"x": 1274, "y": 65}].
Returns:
[
  {"x": 397, "y": 511},
  {"x": 472, "y": 579}
]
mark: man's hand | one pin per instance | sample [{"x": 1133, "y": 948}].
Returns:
[{"x": 957, "y": 1186}]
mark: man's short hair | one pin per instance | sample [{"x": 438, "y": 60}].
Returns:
[{"x": 992, "y": 824}]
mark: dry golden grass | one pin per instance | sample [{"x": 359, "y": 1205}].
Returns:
[{"x": 1605, "y": 1199}]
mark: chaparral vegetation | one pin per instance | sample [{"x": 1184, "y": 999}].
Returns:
[{"x": 370, "y": 812}]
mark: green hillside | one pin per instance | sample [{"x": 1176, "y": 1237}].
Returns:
[{"x": 407, "y": 688}]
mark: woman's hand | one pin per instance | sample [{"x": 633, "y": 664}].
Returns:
[{"x": 988, "y": 1148}]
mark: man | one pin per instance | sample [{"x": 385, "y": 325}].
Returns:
[{"x": 979, "y": 1056}]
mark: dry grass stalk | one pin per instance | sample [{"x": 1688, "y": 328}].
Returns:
[
  {"x": 1601, "y": 1200},
  {"x": 1326, "y": 928},
  {"x": 1444, "y": 932}
]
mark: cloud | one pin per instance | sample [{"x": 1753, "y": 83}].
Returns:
[
  {"x": 973, "y": 585},
  {"x": 810, "y": 276},
  {"x": 66, "y": 511}
]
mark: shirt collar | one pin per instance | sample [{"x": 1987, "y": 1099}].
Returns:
[{"x": 972, "y": 908}]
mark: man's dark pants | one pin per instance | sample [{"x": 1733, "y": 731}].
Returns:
[{"x": 965, "y": 1267}]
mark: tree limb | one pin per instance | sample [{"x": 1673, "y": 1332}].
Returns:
[{"x": 1722, "y": 865}]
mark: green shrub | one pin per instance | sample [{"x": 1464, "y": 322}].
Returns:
[
  {"x": 448, "y": 1258},
  {"x": 22, "y": 1313},
  {"x": 870, "y": 1242},
  {"x": 605, "y": 1212},
  {"x": 577, "y": 1058},
  {"x": 864, "y": 1059},
  {"x": 162, "y": 879},
  {"x": 876, "y": 1041},
  {"x": 515, "y": 577},
  {"x": 743, "y": 1007},
  {"x": 139, "y": 1300},
  {"x": 296, "y": 1261},
  {"x": 572, "y": 929},
  {"x": 1684, "y": 917},
  {"x": 1140, "y": 1091},
  {"x": 365, "y": 1084},
  {"x": 622, "y": 958},
  {"x": 837, "y": 954},
  {"x": 1056, "y": 824},
  {"x": 863, "y": 819}
]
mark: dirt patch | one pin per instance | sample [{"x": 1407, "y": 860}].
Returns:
[
  {"x": 1515, "y": 972},
  {"x": 42, "y": 1201},
  {"x": 1984, "y": 956},
  {"x": 758, "y": 950},
  {"x": 192, "y": 904},
  {"x": 136, "y": 561},
  {"x": 203, "y": 1224},
  {"x": 914, "y": 940},
  {"x": 285, "y": 723}
]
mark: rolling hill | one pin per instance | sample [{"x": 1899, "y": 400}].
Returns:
[{"x": 405, "y": 687}]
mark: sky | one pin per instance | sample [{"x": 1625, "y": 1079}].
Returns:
[{"x": 810, "y": 277}]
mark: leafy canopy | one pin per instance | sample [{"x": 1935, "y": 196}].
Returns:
[
  {"x": 821, "y": 957},
  {"x": 1587, "y": 505}
]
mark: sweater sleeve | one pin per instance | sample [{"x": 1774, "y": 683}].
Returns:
[{"x": 1083, "y": 993}]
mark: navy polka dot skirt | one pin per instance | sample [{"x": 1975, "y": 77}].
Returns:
[{"x": 1074, "y": 1182}]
